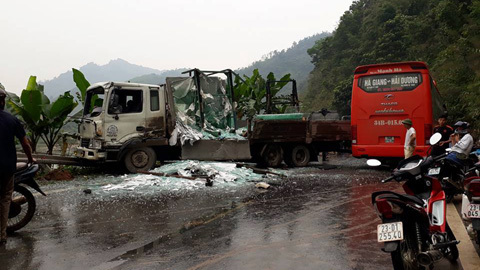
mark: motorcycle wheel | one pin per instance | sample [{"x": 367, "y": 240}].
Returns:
[
  {"x": 452, "y": 251},
  {"x": 405, "y": 257},
  {"x": 449, "y": 198},
  {"x": 478, "y": 237},
  {"x": 22, "y": 209}
]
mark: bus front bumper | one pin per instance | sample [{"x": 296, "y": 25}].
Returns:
[{"x": 376, "y": 151}]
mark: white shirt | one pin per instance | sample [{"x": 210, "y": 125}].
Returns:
[
  {"x": 410, "y": 131},
  {"x": 464, "y": 146}
]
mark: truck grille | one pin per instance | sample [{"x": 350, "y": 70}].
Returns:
[{"x": 85, "y": 142}]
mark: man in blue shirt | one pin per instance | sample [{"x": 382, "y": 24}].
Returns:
[{"x": 10, "y": 127}]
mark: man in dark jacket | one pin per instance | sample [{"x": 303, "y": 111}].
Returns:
[
  {"x": 10, "y": 127},
  {"x": 446, "y": 131}
]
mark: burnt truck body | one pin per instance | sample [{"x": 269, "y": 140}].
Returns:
[{"x": 297, "y": 138}]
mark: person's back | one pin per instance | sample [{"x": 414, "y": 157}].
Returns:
[
  {"x": 410, "y": 138},
  {"x": 10, "y": 128}
]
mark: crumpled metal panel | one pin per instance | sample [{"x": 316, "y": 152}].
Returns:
[{"x": 217, "y": 110}]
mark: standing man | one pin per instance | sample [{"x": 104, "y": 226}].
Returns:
[
  {"x": 446, "y": 131},
  {"x": 410, "y": 138},
  {"x": 10, "y": 127}
]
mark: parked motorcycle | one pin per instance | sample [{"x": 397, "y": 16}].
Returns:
[
  {"x": 22, "y": 207},
  {"x": 451, "y": 174},
  {"x": 414, "y": 228},
  {"x": 471, "y": 200}
]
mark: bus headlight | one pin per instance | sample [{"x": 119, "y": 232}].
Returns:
[{"x": 95, "y": 144}]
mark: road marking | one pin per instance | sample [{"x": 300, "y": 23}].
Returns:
[{"x": 468, "y": 256}]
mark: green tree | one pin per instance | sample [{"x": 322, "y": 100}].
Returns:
[
  {"x": 443, "y": 33},
  {"x": 82, "y": 84},
  {"x": 44, "y": 119},
  {"x": 250, "y": 93}
]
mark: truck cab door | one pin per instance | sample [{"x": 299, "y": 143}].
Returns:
[
  {"x": 125, "y": 115},
  {"x": 155, "y": 113}
]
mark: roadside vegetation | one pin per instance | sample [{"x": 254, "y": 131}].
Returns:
[
  {"x": 250, "y": 93},
  {"x": 443, "y": 33},
  {"x": 44, "y": 119}
]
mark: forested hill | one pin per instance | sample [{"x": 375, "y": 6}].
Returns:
[
  {"x": 294, "y": 60},
  {"x": 115, "y": 70},
  {"x": 443, "y": 33}
]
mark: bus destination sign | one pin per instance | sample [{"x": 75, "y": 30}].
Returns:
[{"x": 390, "y": 82}]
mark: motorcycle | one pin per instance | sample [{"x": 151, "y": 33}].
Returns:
[
  {"x": 451, "y": 174},
  {"x": 471, "y": 201},
  {"x": 414, "y": 228},
  {"x": 22, "y": 206}
]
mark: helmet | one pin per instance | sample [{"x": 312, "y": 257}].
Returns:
[{"x": 461, "y": 127}]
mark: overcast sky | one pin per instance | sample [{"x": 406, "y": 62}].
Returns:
[{"x": 46, "y": 38}]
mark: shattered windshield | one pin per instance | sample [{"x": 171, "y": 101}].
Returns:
[{"x": 94, "y": 102}]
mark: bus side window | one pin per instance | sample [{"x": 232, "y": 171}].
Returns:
[{"x": 438, "y": 106}]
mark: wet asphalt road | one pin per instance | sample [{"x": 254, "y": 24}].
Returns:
[{"x": 318, "y": 217}]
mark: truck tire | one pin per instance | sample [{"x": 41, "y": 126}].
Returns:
[
  {"x": 272, "y": 155},
  {"x": 298, "y": 156},
  {"x": 139, "y": 159}
]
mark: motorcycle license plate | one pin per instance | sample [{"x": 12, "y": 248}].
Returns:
[
  {"x": 473, "y": 211},
  {"x": 387, "y": 232},
  {"x": 434, "y": 171}
]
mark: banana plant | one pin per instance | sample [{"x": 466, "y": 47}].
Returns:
[
  {"x": 44, "y": 119},
  {"x": 82, "y": 84},
  {"x": 250, "y": 93}
]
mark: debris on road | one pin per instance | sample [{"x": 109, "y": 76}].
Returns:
[
  {"x": 58, "y": 175},
  {"x": 186, "y": 175},
  {"x": 262, "y": 185}
]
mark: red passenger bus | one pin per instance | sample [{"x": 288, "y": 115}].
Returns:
[{"x": 385, "y": 94}]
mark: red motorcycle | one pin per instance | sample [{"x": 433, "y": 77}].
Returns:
[{"x": 414, "y": 228}]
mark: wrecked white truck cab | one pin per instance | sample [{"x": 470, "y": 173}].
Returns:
[
  {"x": 118, "y": 116},
  {"x": 138, "y": 124}
]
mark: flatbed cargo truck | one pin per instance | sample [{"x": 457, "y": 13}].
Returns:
[{"x": 137, "y": 124}]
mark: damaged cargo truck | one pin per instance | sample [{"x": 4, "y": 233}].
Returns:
[{"x": 137, "y": 124}]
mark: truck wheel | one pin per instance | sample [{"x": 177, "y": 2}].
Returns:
[
  {"x": 287, "y": 157},
  {"x": 272, "y": 155},
  {"x": 140, "y": 159},
  {"x": 298, "y": 156}
]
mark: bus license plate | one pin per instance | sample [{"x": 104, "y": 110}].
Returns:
[
  {"x": 473, "y": 211},
  {"x": 389, "y": 139},
  {"x": 390, "y": 232},
  {"x": 434, "y": 171}
]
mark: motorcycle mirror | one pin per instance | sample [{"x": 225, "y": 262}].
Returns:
[
  {"x": 374, "y": 162},
  {"x": 435, "y": 138}
]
